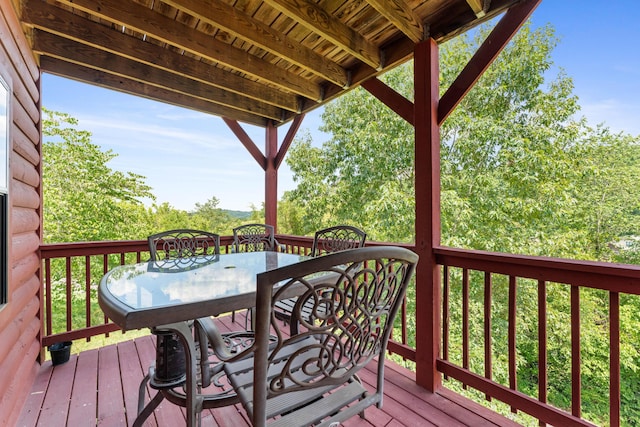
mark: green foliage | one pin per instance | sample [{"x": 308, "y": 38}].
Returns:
[
  {"x": 85, "y": 200},
  {"x": 291, "y": 218}
]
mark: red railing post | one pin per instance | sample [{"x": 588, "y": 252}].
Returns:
[{"x": 427, "y": 209}]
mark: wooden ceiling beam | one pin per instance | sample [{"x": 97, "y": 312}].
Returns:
[
  {"x": 99, "y": 78},
  {"x": 402, "y": 17},
  {"x": 58, "y": 47},
  {"x": 402, "y": 50},
  {"x": 134, "y": 16},
  {"x": 65, "y": 24},
  {"x": 321, "y": 22},
  {"x": 230, "y": 19},
  {"x": 479, "y": 7}
]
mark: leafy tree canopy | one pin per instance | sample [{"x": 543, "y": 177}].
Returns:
[
  {"x": 521, "y": 172},
  {"x": 84, "y": 199}
]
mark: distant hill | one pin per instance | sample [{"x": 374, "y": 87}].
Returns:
[{"x": 238, "y": 214}]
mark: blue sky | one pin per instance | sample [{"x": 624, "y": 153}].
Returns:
[{"x": 189, "y": 157}]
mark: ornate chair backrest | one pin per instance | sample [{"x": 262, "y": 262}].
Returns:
[
  {"x": 182, "y": 243},
  {"x": 254, "y": 238},
  {"x": 337, "y": 238},
  {"x": 364, "y": 288}
]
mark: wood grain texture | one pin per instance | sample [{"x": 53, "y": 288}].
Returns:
[{"x": 405, "y": 403}]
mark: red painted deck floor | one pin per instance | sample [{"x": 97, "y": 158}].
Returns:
[{"x": 100, "y": 387}]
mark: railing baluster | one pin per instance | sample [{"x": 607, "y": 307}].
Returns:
[
  {"x": 488, "y": 359},
  {"x": 576, "y": 380},
  {"x": 542, "y": 343},
  {"x": 614, "y": 357},
  {"x": 465, "y": 321},
  {"x": 403, "y": 330},
  {"x": 571, "y": 275},
  {"x": 47, "y": 285},
  {"x": 87, "y": 292},
  {"x": 513, "y": 375},
  {"x": 105, "y": 269},
  {"x": 68, "y": 293},
  {"x": 445, "y": 314}
]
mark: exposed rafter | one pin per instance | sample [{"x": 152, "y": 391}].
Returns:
[
  {"x": 133, "y": 16},
  {"x": 65, "y": 24},
  {"x": 322, "y": 23},
  {"x": 480, "y": 7},
  {"x": 227, "y": 18},
  {"x": 111, "y": 81},
  {"x": 402, "y": 17},
  {"x": 262, "y": 62},
  {"x": 58, "y": 47}
]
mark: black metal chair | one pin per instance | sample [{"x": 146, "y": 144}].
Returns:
[
  {"x": 325, "y": 241},
  {"x": 337, "y": 238},
  {"x": 182, "y": 243},
  {"x": 312, "y": 377},
  {"x": 254, "y": 238}
]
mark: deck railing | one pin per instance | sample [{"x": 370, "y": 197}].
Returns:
[
  {"x": 502, "y": 282},
  {"x": 483, "y": 294},
  {"x": 83, "y": 265}
]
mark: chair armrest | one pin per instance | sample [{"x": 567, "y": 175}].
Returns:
[
  {"x": 215, "y": 339},
  {"x": 279, "y": 247}
]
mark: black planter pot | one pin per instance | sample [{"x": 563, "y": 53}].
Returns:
[{"x": 60, "y": 352}]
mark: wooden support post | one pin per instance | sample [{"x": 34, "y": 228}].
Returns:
[
  {"x": 271, "y": 177},
  {"x": 427, "y": 188}
]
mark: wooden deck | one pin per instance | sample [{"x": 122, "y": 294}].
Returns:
[{"x": 100, "y": 387}]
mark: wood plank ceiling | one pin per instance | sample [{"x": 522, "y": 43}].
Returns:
[{"x": 257, "y": 62}]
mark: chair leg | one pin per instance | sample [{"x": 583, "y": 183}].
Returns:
[{"x": 248, "y": 321}]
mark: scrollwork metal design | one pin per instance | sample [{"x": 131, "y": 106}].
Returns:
[
  {"x": 253, "y": 238},
  {"x": 349, "y": 325},
  {"x": 184, "y": 243},
  {"x": 337, "y": 238}
]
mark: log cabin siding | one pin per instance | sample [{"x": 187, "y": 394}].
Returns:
[
  {"x": 24, "y": 219},
  {"x": 24, "y": 171},
  {"x": 23, "y": 146},
  {"x": 20, "y": 322},
  {"x": 24, "y": 195}
]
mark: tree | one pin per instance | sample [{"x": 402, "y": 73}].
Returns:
[
  {"x": 83, "y": 198},
  {"x": 166, "y": 217},
  {"x": 208, "y": 216},
  {"x": 513, "y": 163}
]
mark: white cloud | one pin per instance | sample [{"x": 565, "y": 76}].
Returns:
[{"x": 614, "y": 114}]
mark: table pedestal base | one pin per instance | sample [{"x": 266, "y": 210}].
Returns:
[{"x": 182, "y": 392}]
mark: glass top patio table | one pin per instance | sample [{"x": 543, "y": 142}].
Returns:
[{"x": 157, "y": 293}]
